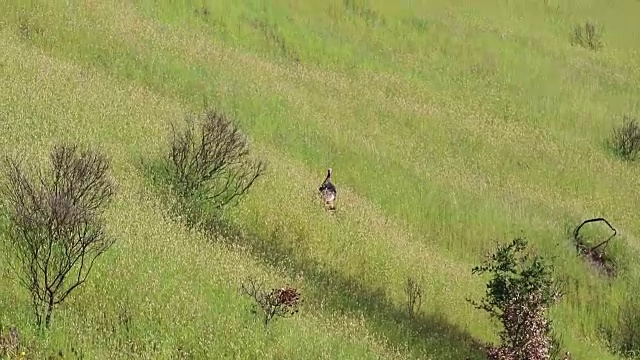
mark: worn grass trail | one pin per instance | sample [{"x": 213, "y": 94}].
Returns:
[{"x": 448, "y": 126}]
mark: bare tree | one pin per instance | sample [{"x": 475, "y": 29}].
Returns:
[
  {"x": 212, "y": 160},
  {"x": 55, "y": 230}
]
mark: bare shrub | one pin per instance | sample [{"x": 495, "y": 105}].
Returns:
[
  {"x": 519, "y": 295},
  {"x": 55, "y": 227},
  {"x": 282, "y": 302},
  {"x": 211, "y": 161},
  {"x": 625, "y": 139},
  {"x": 413, "y": 290},
  {"x": 587, "y": 35}
]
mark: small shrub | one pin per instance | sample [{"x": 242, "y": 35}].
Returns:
[
  {"x": 55, "y": 229},
  {"x": 625, "y": 139},
  {"x": 413, "y": 290},
  {"x": 28, "y": 29},
  {"x": 519, "y": 295},
  {"x": 587, "y": 35},
  {"x": 211, "y": 163},
  {"x": 203, "y": 11},
  {"x": 9, "y": 343},
  {"x": 281, "y": 302},
  {"x": 623, "y": 335}
]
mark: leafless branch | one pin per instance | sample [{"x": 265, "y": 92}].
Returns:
[
  {"x": 413, "y": 290},
  {"x": 55, "y": 223},
  {"x": 576, "y": 232}
]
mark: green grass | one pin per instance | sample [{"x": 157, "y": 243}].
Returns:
[{"x": 449, "y": 126}]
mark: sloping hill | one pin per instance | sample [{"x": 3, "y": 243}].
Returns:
[{"x": 449, "y": 125}]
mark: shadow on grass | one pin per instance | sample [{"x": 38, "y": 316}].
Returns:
[{"x": 422, "y": 335}]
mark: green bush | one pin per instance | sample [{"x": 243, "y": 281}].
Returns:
[{"x": 519, "y": 295}]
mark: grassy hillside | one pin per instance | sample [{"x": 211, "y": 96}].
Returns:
[{"x": 449, "y": 125}]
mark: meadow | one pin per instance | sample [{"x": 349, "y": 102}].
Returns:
[{"x": 449, "y": 125}]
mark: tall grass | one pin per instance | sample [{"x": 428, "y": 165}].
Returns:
[{"x": 448, "y": 126}]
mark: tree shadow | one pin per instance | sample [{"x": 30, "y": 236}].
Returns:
[{"x": 422, "y": 335}]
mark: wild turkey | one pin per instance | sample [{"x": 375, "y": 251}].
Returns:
[{"x": 328, "y": 192}]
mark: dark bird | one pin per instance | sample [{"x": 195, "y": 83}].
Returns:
[{"x": 328, "y": 191}]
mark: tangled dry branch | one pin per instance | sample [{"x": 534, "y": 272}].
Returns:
[{"x": 213, "y": 160}]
